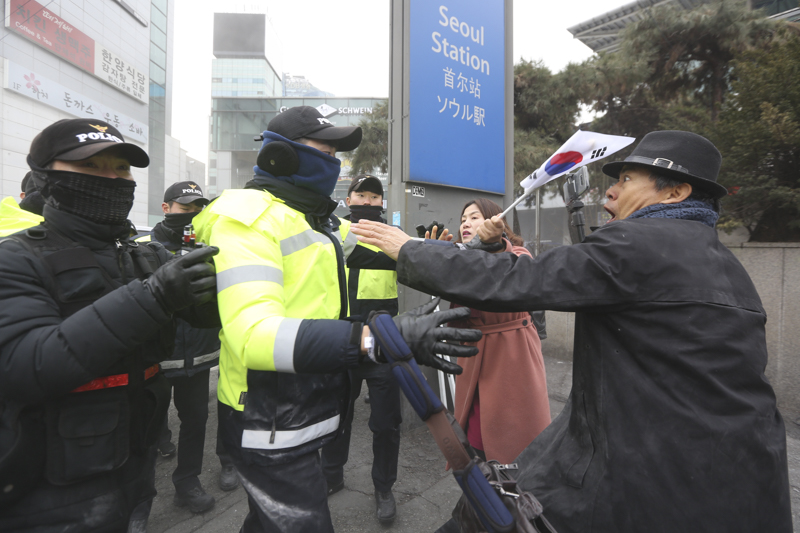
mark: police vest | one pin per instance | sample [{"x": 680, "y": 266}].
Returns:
[
  {"x": 93, "y": 429},
  {"x": 367, "y": 290}
]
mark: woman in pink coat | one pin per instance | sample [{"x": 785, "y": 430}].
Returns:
[{"x": 501, "y": 397}]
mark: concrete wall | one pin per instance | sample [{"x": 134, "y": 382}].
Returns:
[{"x": 775, "y": 270}]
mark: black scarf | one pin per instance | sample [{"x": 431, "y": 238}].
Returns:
[
  {"x": 169, "y": 231},
  {"x": 366, "y": 212},
  {"x": 97, "y": 199},
  {"x": 306, "y": 201}
]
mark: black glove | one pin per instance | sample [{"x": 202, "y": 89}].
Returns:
[
  {"x": 420, "y": 329},
  {"x": 188, "y": 280}
]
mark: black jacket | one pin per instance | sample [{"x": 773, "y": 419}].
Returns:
[
  {"x": 671, "y": 424},
  {"x": 196, "y": 349},
  {"x": 89, "y": 316}
]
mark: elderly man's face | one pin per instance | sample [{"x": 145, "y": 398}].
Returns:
[{"x": 632, "y": 192}]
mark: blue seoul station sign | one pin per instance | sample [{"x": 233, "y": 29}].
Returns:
[{"x": 457, "y": 76}]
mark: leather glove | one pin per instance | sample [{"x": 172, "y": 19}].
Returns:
[
  {"x": 420, "y": 329},
  {"x": 188, "y": 280}
]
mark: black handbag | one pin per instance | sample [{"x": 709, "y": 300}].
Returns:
[{"x": 523, "y": 506}]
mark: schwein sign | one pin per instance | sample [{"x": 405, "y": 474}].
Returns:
[{"x": 457, "y": 94}]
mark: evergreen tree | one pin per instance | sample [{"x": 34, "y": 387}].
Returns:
[
  {"x": 373, "y": 153},
  {"x": 759, "y": 136},
  {"x": 689, "y": 52}
]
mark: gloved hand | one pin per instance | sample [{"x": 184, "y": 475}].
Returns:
[
  {"x": 420, "y": 329},
  {"x": 188, "y": 280}
]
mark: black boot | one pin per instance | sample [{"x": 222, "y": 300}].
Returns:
[
  {"x": 195, "y": 499},
  {"x": 228, "y": 480},
  {"x": 386, "y": 508}
]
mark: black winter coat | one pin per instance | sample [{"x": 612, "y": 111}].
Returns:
[
  {"x": 95, "y": 456},
  {"x": 42, "y": 355},
  {"x": 671, "y": 424},
  {"x": 196, "y": 349}
]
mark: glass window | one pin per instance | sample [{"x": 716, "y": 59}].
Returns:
[
  {"x": 158, "y": 19},
  {"x": 159, "y": 37},
  {"x": 158, "y": 55},
  {"x": 160, "y": 4},
  {"x": 157, "y": 74}
]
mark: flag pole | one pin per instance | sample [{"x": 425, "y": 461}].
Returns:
[{"x": 527, "y": 193}]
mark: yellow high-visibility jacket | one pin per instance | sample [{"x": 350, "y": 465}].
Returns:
[
  {"x": 13, "y": 218},
  {"x": 281, "y": 295},
  {"x": 368, "y": 289}
]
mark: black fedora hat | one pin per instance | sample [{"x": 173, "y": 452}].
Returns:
[{"x": 679, "y": 155}]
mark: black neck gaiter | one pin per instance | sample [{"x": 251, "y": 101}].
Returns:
[
  {"x": 366, "y": 212},
  {"x": 97, "y": 199},
  {"x": 177, "y": 221}
]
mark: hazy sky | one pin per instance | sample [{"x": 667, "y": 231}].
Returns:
[{"x": 342, "y": 47}]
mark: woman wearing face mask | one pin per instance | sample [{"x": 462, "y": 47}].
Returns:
[{"x": 501, "y": 397}]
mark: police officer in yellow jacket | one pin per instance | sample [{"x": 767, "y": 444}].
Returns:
[
  {"x": 13, "y": 218},
  {"x": 370, "y": 290},
  {"x": 285, "y": 345},
  {"x": 16, "y": 217}
]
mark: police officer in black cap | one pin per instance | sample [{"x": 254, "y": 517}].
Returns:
[
  {"x": 188, "y": 370},
  {"x": 86, "y": 317}
]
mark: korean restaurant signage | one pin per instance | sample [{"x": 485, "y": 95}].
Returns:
[
  {"x": 23, "y": 81},
  {"x": 41, "y": 26}
]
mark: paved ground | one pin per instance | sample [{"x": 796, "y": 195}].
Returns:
[{"x": 425, "y": 493}]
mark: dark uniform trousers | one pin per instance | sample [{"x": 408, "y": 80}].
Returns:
[
  {"x": 297, "y": 498},
  {"x": 190, "y": 395},
  {"x": 384, "y": 422}
]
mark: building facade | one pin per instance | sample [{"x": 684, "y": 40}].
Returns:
[
  {"x": 104, "y": 59},
  {"x": 247, "y": 93},
  {"x": 602, "y": 33}
]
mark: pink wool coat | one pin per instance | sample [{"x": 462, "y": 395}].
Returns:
[{"x": 509, "y": 374}]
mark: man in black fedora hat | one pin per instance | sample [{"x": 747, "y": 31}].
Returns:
[{"x": 671, "y": 424}]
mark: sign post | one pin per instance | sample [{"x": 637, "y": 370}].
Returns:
[
  {"x": 451, "y": 124},
  {"x": 451, "y": 136}
]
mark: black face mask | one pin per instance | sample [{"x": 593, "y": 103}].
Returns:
[
  {"x": 99, "y": 200},
  {"x": 365, "y": 212},
  {"x": 177, "y": 221}
]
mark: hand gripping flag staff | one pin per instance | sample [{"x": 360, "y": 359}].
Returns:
[{"x": 581, "y": 149}]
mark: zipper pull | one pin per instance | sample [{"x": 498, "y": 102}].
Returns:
[{"x": 120, "y": 262}]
